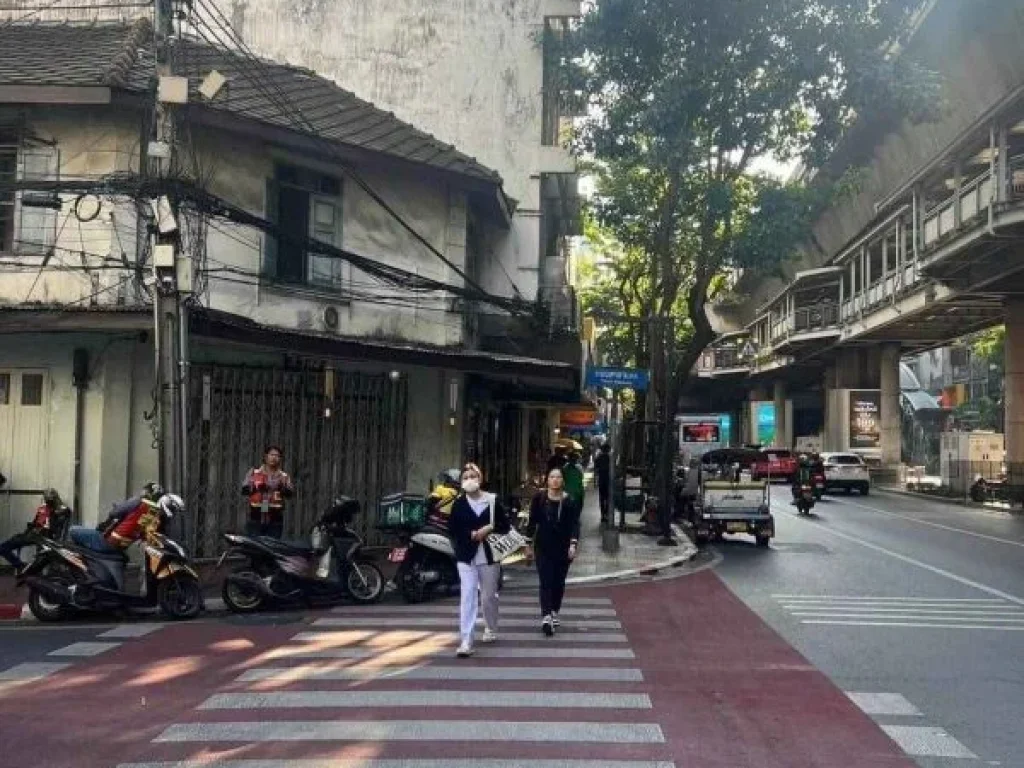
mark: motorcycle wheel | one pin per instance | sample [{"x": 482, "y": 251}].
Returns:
[
  {"x": 364, "y": 582},
  {"x": 42, "y": 607},
  {"x": 237, "y": 598},
  {"x": 414, "y": 590},
  {"x": 180, "y": 597}
]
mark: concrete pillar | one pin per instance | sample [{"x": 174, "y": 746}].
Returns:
[
  {"x": 829, "y": 440},
  {"x": 782, "y": 439},
  {"x": 1014, "y": 386},
  {"x": 890, "y": 412}
]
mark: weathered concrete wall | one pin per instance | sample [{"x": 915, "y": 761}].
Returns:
[{"x": 469, "y": 72}]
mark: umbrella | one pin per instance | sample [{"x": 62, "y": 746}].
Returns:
[{"x": 568, "y": 443}]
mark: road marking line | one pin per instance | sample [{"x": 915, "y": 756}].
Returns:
[
  {"x": 927, "y": 741},
  {"x": 840, "y": 623},
  {"x": 952, "y": 528},
  {"x": 1008, "y": 618},
  {"x": 825, "y": 598},
  {"x": 31, "y": 671},
  {"x": 416, "y": 730},
  {"x": 911, "y": 561},
  {"x": 84, "y": 649},
  {"x": 452, "y": 611},
  {"x": 569, "y": 602},
  {"x": 413, "y": 622},
  {"x": 976, "y": 610},
  {"x": 489, "y": 699},
  {"x": 370, "y": 762},
  {"x": 312, "y": 672},
  {"x": 521, "y": 652},
  {"x": 891, "y": 704},
  {"x": 132, "y": 630},
  {"x": 341, "y": 637}
]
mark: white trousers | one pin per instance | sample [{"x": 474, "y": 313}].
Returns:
[{"x": 471, "y": 577}]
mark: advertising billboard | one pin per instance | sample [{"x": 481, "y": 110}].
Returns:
[
  {"x": 865, "y": 419},
  {"x": 706, "y": 432}
]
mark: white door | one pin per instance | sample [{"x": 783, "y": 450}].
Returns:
[{"x": 24, "y": 439}]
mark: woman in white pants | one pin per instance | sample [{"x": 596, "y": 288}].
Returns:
[{"x": 475, "y": 516}]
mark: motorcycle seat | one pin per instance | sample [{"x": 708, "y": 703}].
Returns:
[{"x": 285, "y": 547}]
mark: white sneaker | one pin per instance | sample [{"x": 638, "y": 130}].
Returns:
[
  {"x": 555, "y": 620},
  {"x": 465, "y": 651},
  {"x": 547, "y": 626},
  {"x": 490, "y": 636}
]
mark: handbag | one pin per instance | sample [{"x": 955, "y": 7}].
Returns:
[{"x": 504, "y": 544}]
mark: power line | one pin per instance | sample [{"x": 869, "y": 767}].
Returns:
[{"x": 225, "y": 26}]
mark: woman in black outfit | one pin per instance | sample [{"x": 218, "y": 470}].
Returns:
[{"x": 555, "y": 529}]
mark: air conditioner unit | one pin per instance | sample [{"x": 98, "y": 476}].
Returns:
[{"x": 331, "y": 318}]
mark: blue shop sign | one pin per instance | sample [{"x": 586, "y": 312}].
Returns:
[{"x": 618, "y": 378}]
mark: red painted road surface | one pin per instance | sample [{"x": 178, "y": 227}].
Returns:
[{"x": 725, "y": 690}]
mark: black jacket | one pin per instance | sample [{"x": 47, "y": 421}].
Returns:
[
  {"x": 552, "y": 535},
  {"x": 464, "y": 521}
]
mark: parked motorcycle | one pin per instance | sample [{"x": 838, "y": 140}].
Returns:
[
  {"x": 334, "y": 568},
  {"x": 805, "y": 499},
  {"x": 64, "y": 579}
]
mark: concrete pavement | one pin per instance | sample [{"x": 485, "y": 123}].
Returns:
[{"x": 916, "y": 606}]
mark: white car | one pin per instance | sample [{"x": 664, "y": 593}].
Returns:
[{"x": 846, "y": 471}]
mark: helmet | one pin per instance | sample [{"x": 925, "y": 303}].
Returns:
[
  {"x": 51, "y": 498},
  {"x": 153, "y": 491},
  {"x": 450, "y": 477},
  {"x": 341, "y": 511},
  {"x": 803, "y": 458},
  {"x": 170, "y": 505}
]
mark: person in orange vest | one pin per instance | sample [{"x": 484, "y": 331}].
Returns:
[{"x": 266, "y": 488}]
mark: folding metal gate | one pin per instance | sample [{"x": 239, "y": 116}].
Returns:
[{"x": 341, "y": 432}]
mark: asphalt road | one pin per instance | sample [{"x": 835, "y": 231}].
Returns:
[{"x": 918, "y": 605}]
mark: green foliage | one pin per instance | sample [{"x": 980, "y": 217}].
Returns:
[{"x": 991, "y": 345}]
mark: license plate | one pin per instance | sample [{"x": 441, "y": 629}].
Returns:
[
  {"x": 397, "y": 555},
  {"x": 736, "y": 527}
]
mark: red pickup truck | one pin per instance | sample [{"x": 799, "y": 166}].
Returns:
[{"x": 775, "y": 463}]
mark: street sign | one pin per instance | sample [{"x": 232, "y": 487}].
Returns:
[
  {"x": 748, "y": 350},
  {"x": 618, "y": 378}
]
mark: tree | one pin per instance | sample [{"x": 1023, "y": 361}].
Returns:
[{"x": 684, "y": 96}]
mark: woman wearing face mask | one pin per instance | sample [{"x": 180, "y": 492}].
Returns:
[
  {"x": 475, "y": 516},
  {"x": 555, "y": 530}
]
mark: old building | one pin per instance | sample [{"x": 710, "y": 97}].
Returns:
[{"x": 358, "y": 368}]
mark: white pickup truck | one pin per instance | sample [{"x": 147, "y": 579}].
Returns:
[{"x": 725, "y": 506}]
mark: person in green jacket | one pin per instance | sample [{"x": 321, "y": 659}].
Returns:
[{"x": 573, "y": 474}]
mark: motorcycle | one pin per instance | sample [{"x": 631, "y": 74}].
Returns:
[
  {"x": 819, "y": 486},
  {"x": 64, "y": 579},
  {"x": 805, "y": 499},
  {"x": 333, "y": 569}
]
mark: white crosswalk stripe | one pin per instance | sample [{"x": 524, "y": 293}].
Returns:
[
  {"x": 904, "y": 612},
  {"x": 891, "y": 710},
  {"x": 399, "y": 665}
]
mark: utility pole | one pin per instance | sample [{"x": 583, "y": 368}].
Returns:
[{"x": 171, "y": 268}]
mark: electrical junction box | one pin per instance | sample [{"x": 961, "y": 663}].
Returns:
[
  {"x": 163, "y": 257},
  {"x": 172, "y": 90}
]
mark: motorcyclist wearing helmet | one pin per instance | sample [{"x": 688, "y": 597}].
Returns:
[
  {"x": 50, "y": 519},
  {"x": 128, "y": 521},
  {"x": 803, "y": 476}
]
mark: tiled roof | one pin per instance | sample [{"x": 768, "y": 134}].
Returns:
[{"x": 121, "y": 56}]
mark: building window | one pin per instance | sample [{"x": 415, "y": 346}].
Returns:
[
  {"x": 305, "y": 205},
  {"x": 8, "y": 173},
  {"x": 32, "y": 389},
  {"x": 5, "y": 389}
]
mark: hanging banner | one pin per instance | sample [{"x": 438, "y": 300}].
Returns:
[{"x": 865, "y": 418}]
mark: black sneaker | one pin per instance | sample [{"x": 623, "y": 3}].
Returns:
[{"x": 548, "y": 626}]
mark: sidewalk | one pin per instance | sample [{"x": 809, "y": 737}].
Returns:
[
  {"x": 638, "y": 554},
  {"x": 983, "y": 506}
]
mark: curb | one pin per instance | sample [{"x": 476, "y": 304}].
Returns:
[
  {"x": 961, "y": 503},
  {"x": 22, "y": 612}
]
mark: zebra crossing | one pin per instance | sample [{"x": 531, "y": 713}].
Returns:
[
  {"x": 903, "y": 612},
  {"x": 381, "y": 688}
]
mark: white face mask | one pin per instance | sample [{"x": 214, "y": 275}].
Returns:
[{"x": 471, "y": 485}]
